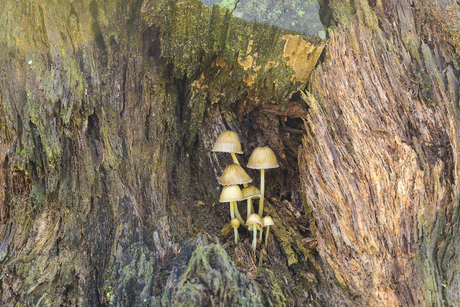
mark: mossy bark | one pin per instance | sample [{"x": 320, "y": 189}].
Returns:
[{"x": 109, "y": 193}]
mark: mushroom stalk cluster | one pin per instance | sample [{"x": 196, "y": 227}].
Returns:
[{"x": 262, "y": 158}]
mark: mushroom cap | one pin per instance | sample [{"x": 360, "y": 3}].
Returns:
[
  {"x": 235, "y": 222},
  {"x": 267, "y": 221},
  {"x": 254, "y": 219},
  {"x": 250, "y": 192},
  {"x": 234, "y": 174},
  {"x": 262, "y": 158},
  {"x": 231, "y": 193},
  {"x": 228, "y": 142}
]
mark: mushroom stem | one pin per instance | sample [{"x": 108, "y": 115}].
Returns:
[
  {"x": 260, "y": 235},
  {"x": 249, "y": 206},
  {"x": 236, "y": 235},
  {"x": 262, "y": 191},
  {"x": 232, "y": 212},
  {"x": 237, "y": 214},
  {"x": 266, "y": 236},
  {"x": 249, "y": 201},
  {"x": 254, "y": 241},
  {"x": 235, "y": 159}
]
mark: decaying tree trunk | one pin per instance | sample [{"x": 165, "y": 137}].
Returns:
[{"x": 109, "y": 192}]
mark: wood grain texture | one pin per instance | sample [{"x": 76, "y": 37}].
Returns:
[
  {"x": 379, "y": 164},
  {"x": 109, "y": 191}
]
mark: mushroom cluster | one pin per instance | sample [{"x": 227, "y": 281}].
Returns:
[{"x": 262, "y": 158}]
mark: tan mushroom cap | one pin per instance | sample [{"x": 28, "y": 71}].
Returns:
[
  {"x": 250, "y": 192},
  {"x": 254, "y": 219},
  {"x": 267, "y": 221},
  {"x": 235, "y": 222},
  {"x": 262, "y": 158},
  {"x": 231, "y": 193},
  {"x": 228, "y": 141},
  {"x": 234, "y": 174}
]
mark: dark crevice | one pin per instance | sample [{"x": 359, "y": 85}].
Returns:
[
  {"x": 147, "y": 125},
  {"x": 325, "y": 13},
  {"x": 44, "y": 36},
  {"x": 96, "y": 289},
  {"x": 97, "y": 33},
  {"x": 69, "y": 21},
  {"x": 94, "y": 10},
  {"x": 182, "y": 84},
  {"x": 92, "y": 130},
  {"x": 154, "y": 48},
  {"x": 123, "y": 88},
  {"x": 4, "y": 207},
  {"x": 74, "y": 13}
]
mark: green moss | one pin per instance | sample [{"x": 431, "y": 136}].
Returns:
[
  {"x": 211, "y": 279},
  {"x": 202, "y": 51},
  {"x": 273, "y": 293}
]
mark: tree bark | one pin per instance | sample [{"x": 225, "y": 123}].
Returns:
[{"x": 109, "y": 191}]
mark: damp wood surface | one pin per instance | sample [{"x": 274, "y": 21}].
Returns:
[{"x": 109, "y": 191}]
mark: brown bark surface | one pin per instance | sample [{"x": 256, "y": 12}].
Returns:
[
  {"x": 379, "y": 165},
  {"x": 109, "y": 192}
]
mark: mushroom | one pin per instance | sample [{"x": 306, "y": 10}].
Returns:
[
  {"x": 248, "y": 193},
  {"x": 253, "y": 223},
  {"x": 262, "y": 158},
  {"x": 235, "y": 174},
  {"x": 228, "y": 142},
  {"x": 235, "y": 224},
  {"x": 267, "y": 222},
  {"x": 231, "y": 194}
]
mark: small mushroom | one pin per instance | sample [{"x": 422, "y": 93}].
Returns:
[
  {"x": 267, "y": 222},
  {"x": 253, "y": 223},
  {"x": 235, "y": 224},
  {"x": 231, "y": 194},
  {"x": 262, "y": 158},
  {"x": 228, "y": 141},
  {"x": 234, "y": 174},
  {"x": 249, "y": 193}
]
